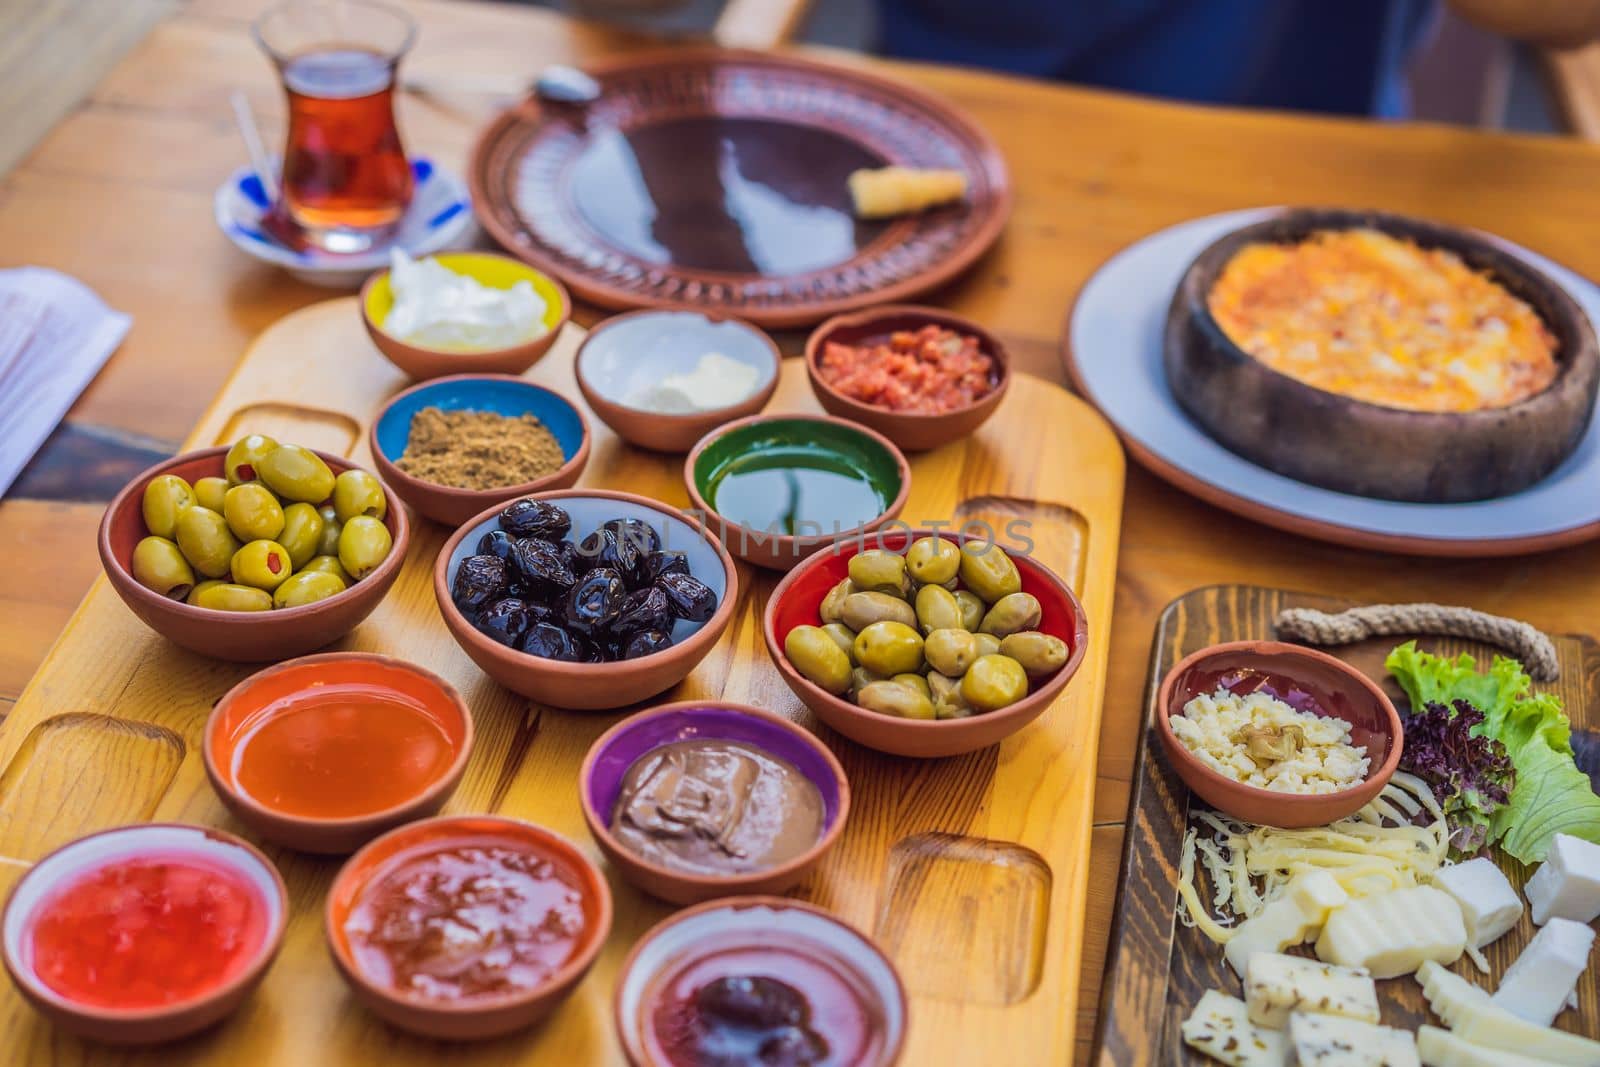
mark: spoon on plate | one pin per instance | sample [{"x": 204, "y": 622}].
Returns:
[
  {"x": 556, "y": 84},
  {"x": 275, "y": 220}
]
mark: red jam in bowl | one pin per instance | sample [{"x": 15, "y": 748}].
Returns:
[
  {"x": 147, "y": 931},
  {"x": 467, "y": 920}
]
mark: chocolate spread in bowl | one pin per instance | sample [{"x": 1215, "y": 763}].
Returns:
[{"x": 709, "y": 806}]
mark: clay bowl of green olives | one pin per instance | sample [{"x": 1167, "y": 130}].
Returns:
[
  {"x": 225, "y": 552},
  {"x": 919, "y": 643}
]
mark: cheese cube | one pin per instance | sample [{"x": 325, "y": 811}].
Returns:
[
  {"x": 1325, "y": 1041},
  {"x": 1441, "y": 1048},
  {"x": 1316, "y": 893},
  {"x": 1474, "y": 1017},
  {"x": 1537, "y": 985},
  {"x": 1489, "y": 905},
  {"x": 1393, "y": 933},
  {"x": 1220, "y": 1027},
  {"x": 1567, "y": 883},
  {"x": 1275, "y": 985}
]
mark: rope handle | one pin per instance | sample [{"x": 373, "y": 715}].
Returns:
[{"x": 1536, "y": 651}]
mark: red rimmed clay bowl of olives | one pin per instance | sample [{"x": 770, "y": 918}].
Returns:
[
  {"x": 585, "y": 598},
  {"x": 920, "y": 643},
  {"x": 244, "y": 555}
]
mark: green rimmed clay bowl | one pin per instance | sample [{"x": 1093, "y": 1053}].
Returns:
[{"x": 755, "y": 530}]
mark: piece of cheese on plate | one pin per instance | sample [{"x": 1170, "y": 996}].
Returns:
[
  {"x": 890, "y": 191},
  {"x": 1489, "y": 905},
  {"x": 1296, "y": 915},
  {"x": 1567, "y": 883},
  {"x": 1536, "y": 986},
  {"x": 1220, "y": 1027},
  {"x": 1441, "y": 1048},
  {"x": 1327, "y": 1041},
  {"x": 1275, "y": 985},
  {"x": 1473, "y": 1016},
  {"x": 1393, "y": 933}
]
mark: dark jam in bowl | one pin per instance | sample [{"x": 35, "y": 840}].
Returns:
[{"x": 769, "y": 1005}]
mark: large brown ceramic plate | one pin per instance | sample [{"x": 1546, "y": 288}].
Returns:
[{"x": 715, "y": 179}]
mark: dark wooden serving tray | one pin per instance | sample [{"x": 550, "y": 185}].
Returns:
[{"x": 1156, "y": 969}]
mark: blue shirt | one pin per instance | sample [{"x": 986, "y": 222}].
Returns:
[{"x": 1340, "y": 56}]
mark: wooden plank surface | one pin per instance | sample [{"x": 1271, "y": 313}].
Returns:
[
  {"x": 1158, "y": 968},
  {"x": 972, "y": 871}
]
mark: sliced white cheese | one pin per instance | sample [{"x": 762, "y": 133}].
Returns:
[
  {"x": 1220, "y": 1027},
  {"x": 1326, "y": 1041},
  {"x": 1279, "y": 925},
  {"x": 1393, "y": 933},
  {"x": 1537, "y": 985},
  {"x": 1567, "y": 883},
  {"x": 1441, "y": 1048},
  {"x": 1489, "y": 904},
  {"x": 1275, "y": 985},
  {"x": 1473, "y": 1016}
]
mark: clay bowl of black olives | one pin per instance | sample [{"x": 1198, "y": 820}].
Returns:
[{"x": 585, "y": 598}]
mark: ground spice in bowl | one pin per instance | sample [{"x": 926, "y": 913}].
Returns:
[{"x": 479, "y": 449}]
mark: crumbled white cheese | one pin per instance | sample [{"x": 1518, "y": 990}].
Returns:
[
  {"x": 436, "y": 307},
  {"x": 1213, "y": 727}
]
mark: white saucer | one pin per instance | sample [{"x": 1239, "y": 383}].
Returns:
[
  {"x": 439, "y": 216},
  {"x": 1114, "y": 353}
]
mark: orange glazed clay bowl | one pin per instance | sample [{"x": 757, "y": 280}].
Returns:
[{"x": 1306, "y": 679}]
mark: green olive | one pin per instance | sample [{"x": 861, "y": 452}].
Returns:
[
  {"x": 813, "y": 653},
  {"x": 164, "y": 498},
  {"x": 296, "y": 473},
  {"x": 915, "y": 681},
  {"x": 889, "y": 647},
  {"x": 307, "y": 587},
  {"x": 988, "y": 571},
  {"x": 327, "y": 565},
  {"x": 206, "y": 541},
  {"x": 892, "y": 698},
  {"x": 209, "y": 492},
  {"x": 950, "y": 651},
  {"x": 159, "y": 566},
  {"x": 879, "y": 570},
  {"x": 253, "y": 513},
  {"x": 328, "y": 543},
  {"x": 201, "y": 587},
  {"x": 933, "y": 560},
  {"x": 972, "y": 609},
  {"x": 861, "y": 610},
  {"x": 226, "y": 596},
  {"x": 948, "y": 703},
  {"x": 1011, "y": 614},
  {"x": 993, "y": 682},
  {"x": 842, "y": 636},
  {"x": 244, "y": 458},
  {"x": 363, "y": 544},
  {"x": 263, "y": 564},
  {"x": 938, "y": 609},
  {"x": 1039, "y": 653},
  {"x": 988, "y": 644},
  {"x": 356, "y": 492},
  {"x": 301, "y": 533},
  {"x": 832, "y": 609},
  {"x": 860, "y": 678}
]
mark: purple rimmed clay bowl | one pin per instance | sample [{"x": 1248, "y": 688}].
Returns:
[
  {"x": 1306, "y": 679},
  {"x": 616, "y": 750}
]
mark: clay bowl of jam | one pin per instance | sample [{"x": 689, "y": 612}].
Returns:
[
  {"x": 401, "y": 910},
  {"x": 920, "y": 376},
  {"x": 585, "y": 598},
  {"x": 1307, "y": 680},
  {"x": 775, "y": 488},
  {"x": 627, "y": 366},
  {"x": 323, "y": 753},
  {"x": 144, "y": 933},
  {"x": 758, "y": 980},
  {"x": 498, "y": 393},
  {"x": 241, "y": 636},
  {"x": 698, "y": 800}
]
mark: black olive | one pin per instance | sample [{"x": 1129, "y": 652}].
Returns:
[
  {"x": 604, "y": 549},
  {"x": 535, "y": 518},
  {"x": 541, "y": 568},
  {"x": 645, "y": 642},
  {"x": 754, "y": 1000},
  {"x": 592, "y": 603},
  {"x": 479, "y": 581},
  {"x": 549, "y": 641},
  {"x": 605, "y": 572},
  {"x": 643, "y": 609},
  {"x": 495, "y": 543},
  {"x": 505, "y": 620},
  {"x": 641, "y": 533},
  {"x": 689, "y": 597},
  {"x": 569, "y": 555},
  {"x": 659, "y": 563}
]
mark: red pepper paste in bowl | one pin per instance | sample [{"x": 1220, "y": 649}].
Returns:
[{"x": 932, "y": 370}]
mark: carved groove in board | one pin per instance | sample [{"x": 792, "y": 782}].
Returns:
[
  {"x": 966, "y": 918},
  {"x": 325, "y": 431},
  {"x": 88, "y": 757},
  {"x": 1060, "y": 534}
]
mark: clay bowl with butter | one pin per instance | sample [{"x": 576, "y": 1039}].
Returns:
[
  {"x": 1307, "y": 680},
  {"x": 641, "y": 373},
  {"x": 1367, "y": 449},
  {"x": 421, "y": 361},
  {"x": 800, "y": 779}
]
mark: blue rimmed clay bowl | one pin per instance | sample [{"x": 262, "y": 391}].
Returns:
[
  {"x": 600, "y": 783},
  {"x": 502, "y": 394}
]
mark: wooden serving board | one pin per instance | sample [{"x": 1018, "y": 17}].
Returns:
[
  {"x": 971, "y": 872},
  {"x": 1157, "y": 969}
]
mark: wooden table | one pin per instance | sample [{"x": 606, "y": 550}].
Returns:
[{"x": 119, "y": 195}]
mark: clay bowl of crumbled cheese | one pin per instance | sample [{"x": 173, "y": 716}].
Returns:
[{"x": 1277, "y": 734}]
